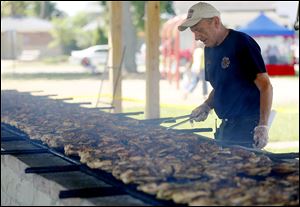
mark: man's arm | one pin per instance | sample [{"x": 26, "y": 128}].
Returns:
[
  {"x": 201, "y": 112},
  {"x": 209, "y": 100},
  {"x": 265, "y": 88}
]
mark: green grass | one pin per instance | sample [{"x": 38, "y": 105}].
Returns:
[
  {"x": 282, "y": 150},
  {"x": 285, "y": 126},
  {"x": 56, "y": 59}
]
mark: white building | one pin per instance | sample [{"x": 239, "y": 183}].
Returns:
[
  {"x": 235, "y": 14},
  {"x": 26, "y": 38}
]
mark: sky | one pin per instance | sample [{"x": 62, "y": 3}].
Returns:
[
  {"x": 288, "y": 8},
  {"x": 71, "y": 7}
]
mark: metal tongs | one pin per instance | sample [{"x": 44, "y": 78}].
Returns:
[
  {"x": 189, "y": 118},
  {"x": 164, "y": 120}
]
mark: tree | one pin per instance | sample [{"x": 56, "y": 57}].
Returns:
[
  {"x": 42, "y": 9},
  {"x": 133, "y": 18},
  {"x": 46, "y": 9},
  {"x": 99, "y": 37},
  {"x": 64, "y": 34},
  {"x": 139, "y": 12},
  {"x": 138, "y": 8},
  {"x": 129, "y": 39},
  {"x": 167, "y": 7},
  {"x": 14, "y": 8}
]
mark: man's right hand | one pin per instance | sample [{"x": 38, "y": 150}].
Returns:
[{"x": 201, "y": 112}]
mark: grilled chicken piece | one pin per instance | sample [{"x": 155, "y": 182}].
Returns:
[
  {"x": 71, "y": 149},
  {"x": 106, "y": 165},
  {"x": 186, "y": 196},
  {"x": 285, "y": 168}
]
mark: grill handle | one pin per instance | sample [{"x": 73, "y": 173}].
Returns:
[
  {"x": 129, "y": 113},
  {"x": 194, "y": 130},
  {"x": 159, "y": 120}
]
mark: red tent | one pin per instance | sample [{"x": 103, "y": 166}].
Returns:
[{"x": 172, "y": 50}]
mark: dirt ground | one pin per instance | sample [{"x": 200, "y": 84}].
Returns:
[{"x": 285, "y": 89}]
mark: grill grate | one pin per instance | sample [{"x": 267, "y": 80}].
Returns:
[
  {"x": 119, "y": 188},
  {"x": 91, "y": 192},
  {"x": 25, "y": 151},
  {"x": 11, "y": 138},
  {"x": 53, "y": 169}
]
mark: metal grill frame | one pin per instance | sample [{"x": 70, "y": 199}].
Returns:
[{"x": 101, "y": 175}]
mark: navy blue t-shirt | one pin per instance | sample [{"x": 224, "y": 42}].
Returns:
[{"x": 231, "y": 68}]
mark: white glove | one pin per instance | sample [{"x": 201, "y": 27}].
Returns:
[
  {"x": 261, "y": 136},
  {"x": 201, "y": 112}
]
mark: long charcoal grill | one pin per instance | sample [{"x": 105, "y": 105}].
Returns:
[{"x": 119, "y": 188}]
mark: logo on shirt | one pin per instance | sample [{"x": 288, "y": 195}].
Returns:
[
  {"x": 225, "y": 62},
  {"x": 190, "y": 13}
]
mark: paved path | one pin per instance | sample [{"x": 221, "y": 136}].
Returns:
[{"x": 285, "y": 90}]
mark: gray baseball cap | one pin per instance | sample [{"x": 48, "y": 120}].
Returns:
[{"x": 197, "y": 12}]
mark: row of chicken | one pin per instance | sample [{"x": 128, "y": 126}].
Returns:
[{"x": 169, "y": 165}]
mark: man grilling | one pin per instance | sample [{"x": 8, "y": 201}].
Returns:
[{"x": 242, "y": 93}]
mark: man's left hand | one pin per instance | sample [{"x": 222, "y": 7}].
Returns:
[{"x": 261, "y": 136}]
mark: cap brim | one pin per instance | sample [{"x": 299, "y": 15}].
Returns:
[{"x": 188, "y": 23}]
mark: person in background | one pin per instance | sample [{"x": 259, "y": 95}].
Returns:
[
  {"x": 88, "y": 64},
  {"x": 195, "y": 72},
  {"x": 242, "y": 92},
  {"x": 272, "y": 54}
]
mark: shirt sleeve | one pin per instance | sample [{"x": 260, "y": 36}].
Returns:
[
  {"x": 204, "y": 63},
  {"x": 251, "y": 58}
]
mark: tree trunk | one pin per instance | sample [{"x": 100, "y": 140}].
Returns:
[
  {"x": 129, "y": 39},
  {"x": 42, "y": 11}
]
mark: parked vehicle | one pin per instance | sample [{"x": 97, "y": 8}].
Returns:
[{"x": 94, "y": 55}]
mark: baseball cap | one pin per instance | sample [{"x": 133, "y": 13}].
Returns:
[{"x": 196, "y": 13}]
